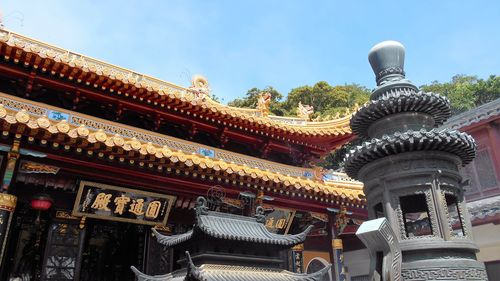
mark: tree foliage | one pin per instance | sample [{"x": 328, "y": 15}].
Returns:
[
  {"x": 326, "y": 99},
  {"x": 252, "y": 96},
  {"x": 464, "y": 92}
]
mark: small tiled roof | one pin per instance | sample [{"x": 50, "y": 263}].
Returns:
[
  {"x": 231, "y": 227},
  {"x": 240, "y": 228},
  {"x": 213, "y": 272},
  {"x": 210, "y": 272}
]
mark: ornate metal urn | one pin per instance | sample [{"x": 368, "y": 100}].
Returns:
[{"x": 410, "y": 172}]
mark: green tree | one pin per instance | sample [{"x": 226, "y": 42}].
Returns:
[
  {"x": 326, "y": 99},
  {"x": 252, "y": 96},
  {"x": 487, "y": 90},
  {"x": 466, "y": 92}
]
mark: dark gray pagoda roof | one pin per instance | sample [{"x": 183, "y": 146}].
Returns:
[
  {"x": 398, "y": 100},
  {"x": 231, "y": 227},
  {"x": 453, "y": 142},
  {"x": 215, "y": 272}
]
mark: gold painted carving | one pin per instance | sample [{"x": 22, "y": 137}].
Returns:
[
  {"x": 337, "y": 244},
  {"x": 304, "y": 111},
  {"x": 298, "y": 247},
  {"x": 103, "y": 201},
  {"x": 8, "y": 202},
  {"x": 3, "y": 112},
  {"x": 37, "y": 168},
  {"x": 22, "y": 116},
  {"x": 162, "y": 228},
  {"x": 263, "y": 103},
  {"x": 82, "y": 222},
  {"x": 63, "y": 126},
  {"x": 65, "y": 215}
]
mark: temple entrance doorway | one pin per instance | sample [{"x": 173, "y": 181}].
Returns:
[{"x": 110, "y": 248}]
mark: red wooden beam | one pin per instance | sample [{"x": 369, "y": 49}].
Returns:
[{"x": 153, "y": 181}]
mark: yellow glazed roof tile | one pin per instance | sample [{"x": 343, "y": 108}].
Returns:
[
  {"x": 87, "y": 64},
  {"x": 348, "y": 190}
]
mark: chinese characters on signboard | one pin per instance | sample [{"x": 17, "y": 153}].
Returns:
[
  {"x": 279, "y": 220},
  {"x": 95, "y": 200}
]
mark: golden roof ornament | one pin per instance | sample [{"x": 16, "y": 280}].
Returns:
[
  {"x": 304, "y": 111},
  {"x": 200, "y": 89},
  {"x": 263, "y": 103}
]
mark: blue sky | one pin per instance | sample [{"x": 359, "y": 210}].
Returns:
[{"x": 238, "y": 45}]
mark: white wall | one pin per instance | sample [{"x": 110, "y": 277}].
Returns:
[
  {"x": 487, "y": 238},
  {"x": 357, "y": 262}
]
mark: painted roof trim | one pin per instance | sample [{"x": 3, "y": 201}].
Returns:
[
  {"x": 16, "y": 113},
  {"x": 46, "y": 52}
]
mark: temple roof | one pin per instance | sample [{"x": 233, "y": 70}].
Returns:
[
  {"x": 210, "y": 272},
  {"x": 154, "y": 92},
  {"x": 95, "y": 136},
  {"x": 482, "y": 208},
  {"x": 231, "y": 227},
  {"x": 214, "y": 272},
  {"x": 473, "y": 116}
]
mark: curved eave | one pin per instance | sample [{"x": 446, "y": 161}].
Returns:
[
  {"x": 233, "y": 228},
  {"x": 172, "y": 240},
  {"x": 72, "y": 66},
  {"x": 105, "y": 145},
  {"x": 226, "y": 272},
  {"x": 164, "y": 277},
  {"x": 244, "y": 229}
]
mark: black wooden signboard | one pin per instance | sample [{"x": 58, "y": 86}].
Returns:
[
  {"x": 279, "y": 220},
  {"x": 102, "y": 201}
]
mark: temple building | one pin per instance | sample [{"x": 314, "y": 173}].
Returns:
[
  {"x": 96, "y": 158},
  {"x": 230, "y": 247},
  {"x": 483, "y": 178}
]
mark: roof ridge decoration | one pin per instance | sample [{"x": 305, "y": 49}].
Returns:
[
  {"x": 260, "y": 215},
  {"x": 35, "y": 116},
  {"x": 46, "y": 56},
  {"x": 193, "y": 272},
  {"x": 212, "y": 272},
  {"x": 231, "y": 227}
]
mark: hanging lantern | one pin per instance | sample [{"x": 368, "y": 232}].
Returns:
[{"x": 41, "y": 202}]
